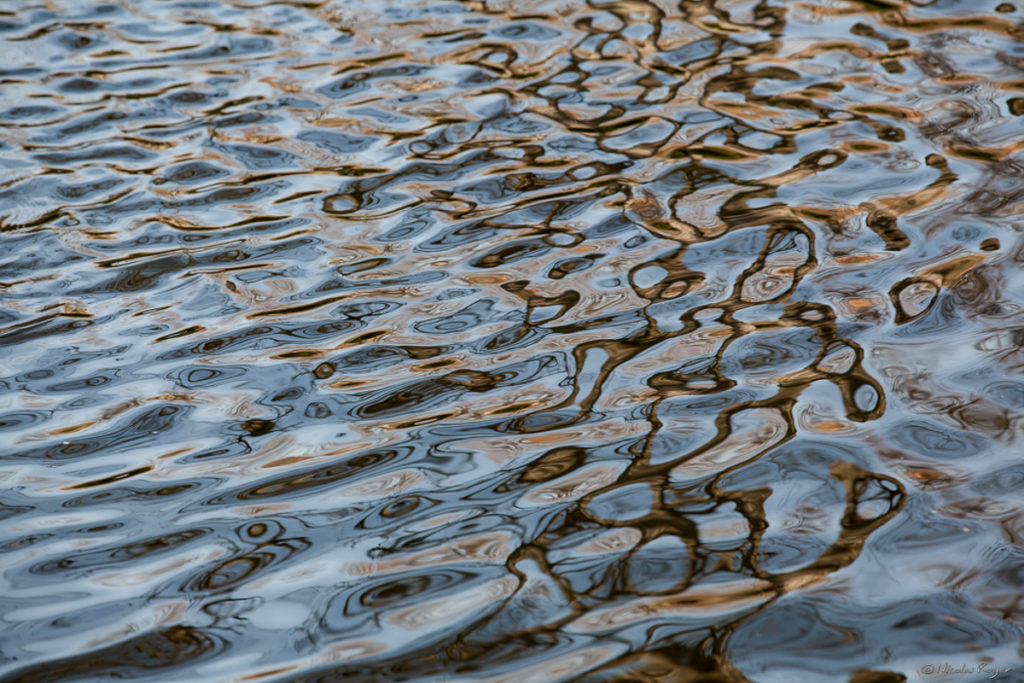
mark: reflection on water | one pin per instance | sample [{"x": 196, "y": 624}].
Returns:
[{"x": 510, "y": 340}]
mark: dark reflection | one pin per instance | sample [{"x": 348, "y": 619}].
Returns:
[
  {"x": 238, "y": 568},
  {"x": 87, "y": 560},
  {"x": 600, "y": 341},
  {"x": 135, "y": 657}
]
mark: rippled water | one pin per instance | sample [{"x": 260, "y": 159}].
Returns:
[{"x": 518, "y": 340}]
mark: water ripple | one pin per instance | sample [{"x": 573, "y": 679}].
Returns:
[{"x": 510, "y": 340}]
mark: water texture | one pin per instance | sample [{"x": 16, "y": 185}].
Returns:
[{"x": 511, "y": 340}]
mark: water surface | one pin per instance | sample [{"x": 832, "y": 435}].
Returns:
[{"x": 511, "y": 340}]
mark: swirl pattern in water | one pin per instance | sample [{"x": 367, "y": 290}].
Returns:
[{"x": 510, "y": 340}]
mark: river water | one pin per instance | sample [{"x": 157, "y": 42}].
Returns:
[{"x": 511, "y": 340}]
